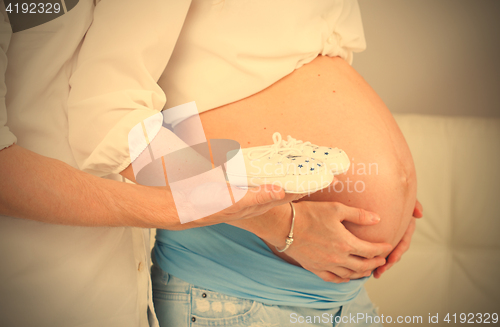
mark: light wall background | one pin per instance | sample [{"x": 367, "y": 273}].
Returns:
[{"x": 433, "y": 56}]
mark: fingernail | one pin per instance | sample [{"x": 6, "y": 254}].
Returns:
[
  {"x": 375, "y": 218},
  {"x": 275, "y": 196}
]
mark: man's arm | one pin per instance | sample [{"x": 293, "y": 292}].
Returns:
[
  {"x": 114, "y": 86},
  {"x": 39, "y": 188},
  {"x": 44, "y": 189},
  {"x": 6, "y": 136}
]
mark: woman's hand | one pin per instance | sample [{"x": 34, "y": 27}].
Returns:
[
  {"x": 325, "y": 247},
  {"x": 403, "y": 245}
]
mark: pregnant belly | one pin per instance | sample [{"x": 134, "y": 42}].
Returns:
[{"x": 328, "y": 103}]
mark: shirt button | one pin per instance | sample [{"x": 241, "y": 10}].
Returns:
[
  {"x": 193, "y": 319},
  {"x": 141, "y": 266},
  {"x": 204, "y": 295},
  {"x": 331, "y": 39}
]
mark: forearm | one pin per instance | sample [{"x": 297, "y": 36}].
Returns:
[
  {"x": 43, "y": 189},
  {"x": 272, "y": 226}
]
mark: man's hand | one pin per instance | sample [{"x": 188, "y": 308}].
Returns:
[
  {"x": 252, "y": 202},
  {"x": 326, "y": 248},
  {"x": 403, "y": 245},
  {"x": 255, "y": 202}
]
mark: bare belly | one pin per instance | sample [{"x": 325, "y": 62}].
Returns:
[{"x": 328, "y": 103}]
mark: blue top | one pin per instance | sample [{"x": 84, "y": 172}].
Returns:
[{"x": 230, "y": 260}]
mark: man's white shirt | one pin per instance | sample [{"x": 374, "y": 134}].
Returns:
[{"x": 54, "y": 275}]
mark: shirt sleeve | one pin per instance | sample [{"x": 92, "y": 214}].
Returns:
[
  {"x": 6, "y": 136},
  {"x": 114, "y": 86},
  {"x": 349, "y": 31}
]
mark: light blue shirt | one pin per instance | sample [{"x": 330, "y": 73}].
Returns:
[{"x": 235, "y": 262}]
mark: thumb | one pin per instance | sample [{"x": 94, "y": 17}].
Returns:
[
  {"x": 360, "y": 216},
  {"x": 264, "y": 194}
]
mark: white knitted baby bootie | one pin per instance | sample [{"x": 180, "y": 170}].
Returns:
[
  {"x": 285, "y": 163},
  {"x": 335, "y": 159}
]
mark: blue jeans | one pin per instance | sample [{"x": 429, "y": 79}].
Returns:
[{"x": 180, "y": 304}]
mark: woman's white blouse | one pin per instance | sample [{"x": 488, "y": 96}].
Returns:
[
  {"x": 233, "y": 49},
  {"x": 226, "y": 51}
]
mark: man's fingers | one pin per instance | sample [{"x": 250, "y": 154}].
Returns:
[
  {"x": 261, "y": 195},
  {"x": 261, "y": 199},
  {"x": 269, "y": 193},
  {"x": 356, "y": 215}
]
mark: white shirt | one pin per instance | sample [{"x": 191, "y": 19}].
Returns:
[
  {"x": 54, "y": 275},
  {"x": 226, "y": 51},
  {"x": 229, "y": 50},
  {"x": 74, "y": 276}
]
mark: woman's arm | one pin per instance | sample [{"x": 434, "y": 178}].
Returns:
[{"x": 321, "y": 243}]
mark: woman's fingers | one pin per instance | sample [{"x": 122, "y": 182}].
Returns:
[
  {"x": 357, "y": 216},
  {"x": 323, "y": 244},
  {"x": 418, "y": 212},
  {"x": 366, "y": 249},
  {"x": 403, "y": 245},
  {"x": 361, "y": 217},
  {"x": 398, "y": 251},
  {"x": 356, "y": 268},
  {"x": 379, "y": 271},
  {"x": 330, "y": 277},
  {"x": 341, "y": 275},
  {"x": 361, "y": 266}
]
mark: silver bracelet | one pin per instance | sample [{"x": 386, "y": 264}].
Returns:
[{"x": 289, "y": 239}]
